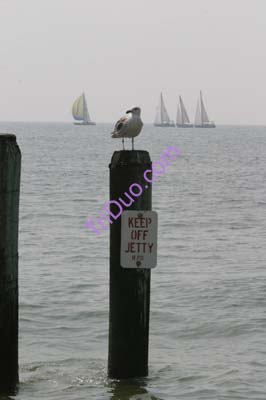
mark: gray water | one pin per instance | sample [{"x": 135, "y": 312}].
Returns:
[{"x": 208, "y": 294}]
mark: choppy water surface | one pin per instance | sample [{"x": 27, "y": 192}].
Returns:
[{"x": 208, "y": 300}]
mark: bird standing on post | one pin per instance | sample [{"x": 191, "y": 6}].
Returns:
[{"x": 128, "y": 126}]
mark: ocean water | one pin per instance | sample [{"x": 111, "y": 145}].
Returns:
[{"x": 208, "y": 292}]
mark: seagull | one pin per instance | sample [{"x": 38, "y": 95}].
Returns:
[{"x": 128, "y": 126}]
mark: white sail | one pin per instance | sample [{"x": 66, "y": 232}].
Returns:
[
  {"x": 80, "y": 110},
  {"x": 198, "y": 118},
  {"x": 179, "y": 115},
  {"x": 164, "y": 114},
  {"x": 201, "y": 118},
  {"x": 182, "y": 115},
  {"x": 204, "y": 115},
  {"x": 184, "y": 112},
  {"x": 86, "y": 116},
  {"x": 162, "y": 117}
]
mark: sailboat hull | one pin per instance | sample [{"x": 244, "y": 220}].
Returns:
[
  {"x": 166, "y": 125},
  {"x": 184, "y": 126},
  {"x": 84, "y": 123},
  {"x": 205, "y": 126}
]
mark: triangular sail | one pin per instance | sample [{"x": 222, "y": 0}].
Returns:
[
  {"x": 184, "y": 115},
  {"x": 198, "y": 119},
  {"x": 204, "y": 115},
  {"x": 179, "y": 115},
  {"x": 201, "y": 117},
  {"x": 80, "y": 109},
  {"x": 162, "y": 116},
  {"x": 86, "y": 116}
]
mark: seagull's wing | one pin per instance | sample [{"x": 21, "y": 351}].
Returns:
[{"x": 119, "y": 126}]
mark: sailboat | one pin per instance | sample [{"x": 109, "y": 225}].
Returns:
[
  {"x": 182, "y": 119},
  {"x": 162, "y": 118},
  {"x": 201, "y": 118},
  {"x": 80, "y": 111}
]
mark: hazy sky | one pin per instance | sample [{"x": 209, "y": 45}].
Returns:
[{"x": 123, "y": 53}]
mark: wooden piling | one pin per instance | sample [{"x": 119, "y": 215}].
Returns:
[
  {"x": 129, "y": 288},
  {"x": 10, "y": 164}
]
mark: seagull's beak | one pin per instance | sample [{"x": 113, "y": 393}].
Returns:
[{"x": 128, "y": 111}]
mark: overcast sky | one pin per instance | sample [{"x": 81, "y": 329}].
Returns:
[{"x": 123, "y": 53}]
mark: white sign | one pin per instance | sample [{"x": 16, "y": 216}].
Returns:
[{"x": 139, "y": 239}]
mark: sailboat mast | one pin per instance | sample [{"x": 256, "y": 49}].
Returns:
[
  {"x": 182, "y": 112},
  {"x": 161, "y": 107},
  {"x": 201, "y": 108}
]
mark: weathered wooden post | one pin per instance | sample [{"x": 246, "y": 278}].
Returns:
[
  {"x": 129, "y": 288},
  {"x": 10, "y": 163}
]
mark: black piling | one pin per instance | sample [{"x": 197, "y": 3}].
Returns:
[
  {"x": 129, "y": 288},
  {"x": 10, "y": 164}
]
